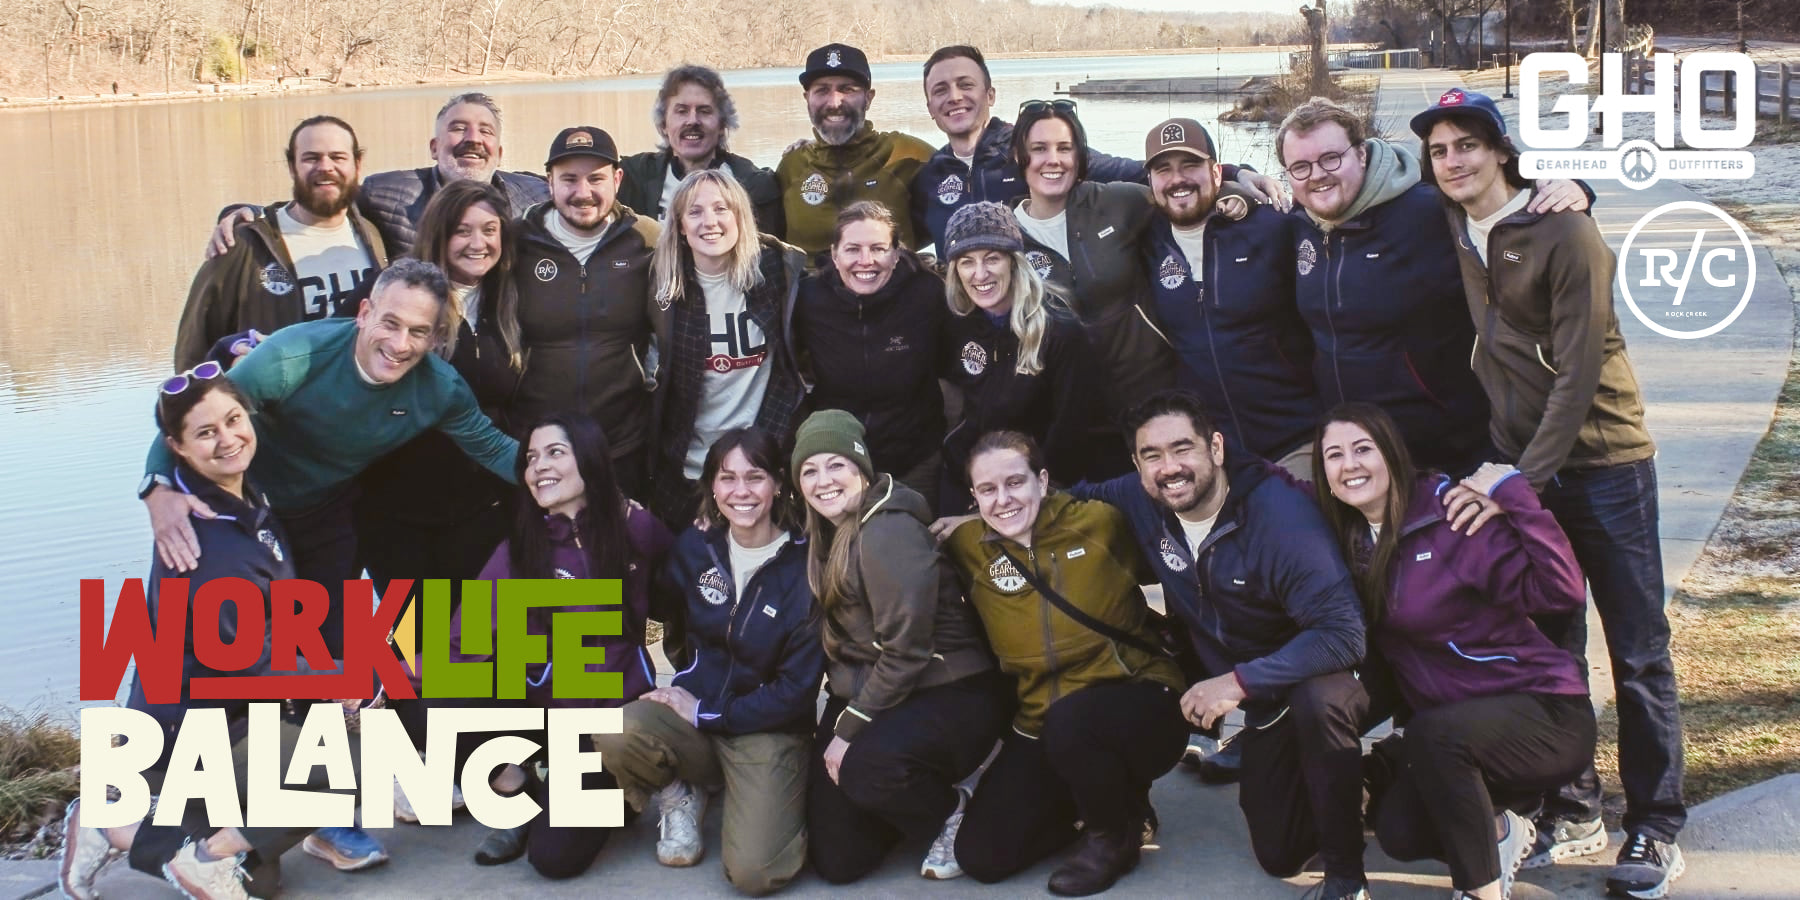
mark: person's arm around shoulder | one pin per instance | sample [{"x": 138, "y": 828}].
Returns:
[
  {"x": 900, "y": 584},
  {"x": 1524, "y": 558},
  {"x": 1577, "y": 277},
  {"x": 464, "y": 422}
]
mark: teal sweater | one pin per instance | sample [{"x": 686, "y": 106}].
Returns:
[{"x": 319, "y": 424}]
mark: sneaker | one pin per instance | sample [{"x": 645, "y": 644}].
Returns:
[
  {"x": 85, "y": 852},
  {"x": 1645, "y": 868},
  {"x": 219, "y": 879},
  {"x": 348, "y": 849},
  {"x": 1223, "y": 765},
  {"x": 1199, "y": 747},
  {"x": 1339, "y": 887},
  {"x": 940, "y": 861},
  {"x": 1559, "y": 839},
  {"x": 679, "y": 842},
  {"x": 1521, "y": 837},
  {"x": 403, "y": 810}
]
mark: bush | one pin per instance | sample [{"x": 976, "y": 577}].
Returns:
[
  {"x": 220, "y": 60},
  {"x": 38, "y": 759}
]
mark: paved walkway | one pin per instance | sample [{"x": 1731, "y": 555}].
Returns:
[{"x": 1710, "y": 401}]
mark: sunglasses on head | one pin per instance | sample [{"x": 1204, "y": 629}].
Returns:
[
  {"x": 1034, "y": 107},
  {"x": 205, "y": 371}
]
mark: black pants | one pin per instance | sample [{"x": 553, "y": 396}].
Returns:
[
  {"x": 1464, "y": 759},
  {"x": 897, "y": 778},
  {"x": 1302, "y": 778},
  {"x": 323, "y": 541},
  {"x": 1101, "y": 748}
]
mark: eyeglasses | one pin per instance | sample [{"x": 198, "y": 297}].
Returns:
[
  {"x": 1036, "y": 107},
  {"x": 205, "y": 371},
  {"x": 1329, "y": 162}
]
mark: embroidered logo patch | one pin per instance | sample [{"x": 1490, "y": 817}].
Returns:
[
  {"x": 562, "y": 573},
  {"x": 1104, "y": 232},
  {"x": 1076, "y": 553},
  {"x": 1040, "y": 261},
  {"x": 1306, "y": 256},
  {"x": 1005, "y": 577},
  {"x": 276, "y": 280},
  {"x": 1422, "y": 557},
  {"x": 1170, "y": 558},
  {"x": 769, "y": 611},
  {"x": 545, "y": 270},
  {"x": 713, "y": 587},
  {"x": 950, "y": 189},
  {"x": 1511, "y": 256},
  {"x": 268, "y": 540},
  {"x": 814, "y": 189},
  {"x": 974, "y": 358},
  {"x": 1171, "y": 273},
  {"x": 1173, "y": 133},
  {"x": 833, "y": 59}
]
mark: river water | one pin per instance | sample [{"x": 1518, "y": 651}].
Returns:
[{"x": 108, "y": 209}]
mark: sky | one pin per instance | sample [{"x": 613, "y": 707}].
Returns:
[{"x": 1270, "y": 6}]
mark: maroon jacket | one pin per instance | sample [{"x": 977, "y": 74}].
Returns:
[{"x": 1457, "y": 620}]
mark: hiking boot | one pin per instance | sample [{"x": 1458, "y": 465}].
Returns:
[
  {"x": 1645, "y": 868},
  {"x": 1559, "y": 839},
  {"x": 86, "y": 851},
  {"x": 679, "y": 842},
  {"x": 1222, "y": 766},
  {"x": 1521, "y": 837},
  {"x": 1339, "y": 887},
  {"x": 1101, "y": 858},
  {"x": 1150, "y": 825},
  {"x": 219, "y": 879},
  {"x": 940, "y": 861},
  {"x": 347, "y": 849},
  {"x": 502, "y": 845}
]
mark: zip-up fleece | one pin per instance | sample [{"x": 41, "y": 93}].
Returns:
[
  {"x": 1107, "y": 286},
  {"x": 1457, "y": 620},
  {"x": 876, "y": 356},
  {"x": 645, "y": 173},
  {"x": 1246, "y": 352},
  {"x": 395, "y": 201},
  {"x": 256, "y": 285},
  {"x": 820, "y": 179},
  {"x": 756, "y": 659},
  {"x": 243, "y": 541},
  {"x": 1549, "y": 352},
  {"x": 588, "y": 326},
  {"x": 1268, "y": 596},
  {"x": 1058, "y": 406},
  {"x": 1379, "y": 292},
  {"x": 904, "y": 625},
  {"x": 649, "y": 545},
  {"x": 946, "y": 184},
  {"x": 1082, "y": 550}
]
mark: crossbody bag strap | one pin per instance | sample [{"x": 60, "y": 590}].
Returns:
[{"x": 1072, "y": 611}]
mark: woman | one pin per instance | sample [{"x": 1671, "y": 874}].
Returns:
[
  {"x": 730, "y": 296},
  {"x": 868, "y": 328},
  {"x": 915, "y": 702},
  {"x": 1055, "y": 580},
  {"x": 572, "y": 523},
  {"x": 738, "y": 715},
  {"x": 1500, "y": 713},
  {"x": 204, "y": 420},
  {"x": 1086, "y": 239},
  {"x": 1021, "y": 360}
]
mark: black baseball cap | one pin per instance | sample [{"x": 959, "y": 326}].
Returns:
[
  {"x": 836, "y": 59},
  {"x": 582, "y": 140}
]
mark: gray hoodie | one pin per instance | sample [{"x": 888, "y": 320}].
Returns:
[{"x": 1392, "y": 171}]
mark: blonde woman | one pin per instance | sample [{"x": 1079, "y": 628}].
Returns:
[
  {"x": 729, "y": 294},
  {"x": 1021, "y": 359}
]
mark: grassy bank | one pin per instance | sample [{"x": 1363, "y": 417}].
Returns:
[{"x": 38, "y": 756}]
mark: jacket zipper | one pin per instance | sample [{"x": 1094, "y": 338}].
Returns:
[
  {"x": 1210, "y": 291},
  {"x": 1050, "y": 664},
  {"x": 1333, "y": 300}
]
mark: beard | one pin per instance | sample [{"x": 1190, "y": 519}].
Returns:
[
  {"x": 456, "y": 167},
  {"x": 308, "y": 196},
  {"x": 1187, "y": 217},
  {"x": 1200, "y": 488},
  {"x": 838, "y": 135}
]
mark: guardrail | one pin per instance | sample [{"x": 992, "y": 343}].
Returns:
[{"x": 1779, "y": 81}]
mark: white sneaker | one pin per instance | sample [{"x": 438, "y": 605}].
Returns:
[
  {"x": 679, "y": 842},
  {"x": 86, "y": 851},
  {"x": 940, "y": 861},
  {"x": 220, "y": 879},
  {"x": 1520, "y": 841},
  {"x": 403, "y": 811}
]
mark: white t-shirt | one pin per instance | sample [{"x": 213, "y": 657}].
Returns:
[
  {"x": 745, "y": 561},
  {"x": 732, "y": 387},
  {"x": 965, "y": 160},
  {"x": 1196, "y": 532},
  {"x": 1052, "y": 232},
  {"x": 579, "y": 246},
  {"x": 671, "y": 181},
  {"x": 1192, "y": 242},
  {"x": 331, "y": 265},
  {"x": 1479, "y": 228}
]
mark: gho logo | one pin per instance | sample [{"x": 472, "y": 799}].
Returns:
[
  {"x": 1657, "y": 268},
  {"x": 1005, "y": 577},
  {"x": 814, "y": 189},
  {"x": 713, "y": 588},
  {"x": 1639, "y": 164},
  {"x": 974, "y": 358}
]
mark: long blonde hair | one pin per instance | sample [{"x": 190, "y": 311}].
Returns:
[
  {"x": 1030, "y": 315},
  {"x": 829, "y": 548},
  {"x": 668, "y": 266}
]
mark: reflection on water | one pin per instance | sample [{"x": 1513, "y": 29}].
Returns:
[{"x": 107, "y": 211}]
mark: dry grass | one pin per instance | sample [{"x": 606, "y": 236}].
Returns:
[{"x": 38, "y": 756}]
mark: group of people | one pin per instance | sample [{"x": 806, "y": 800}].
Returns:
[{"x": 1376, "y": 451}]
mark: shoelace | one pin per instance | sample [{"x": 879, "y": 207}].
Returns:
[
  {"x": 945, "y": 845},
  {"x": 1642, "y": 849}
]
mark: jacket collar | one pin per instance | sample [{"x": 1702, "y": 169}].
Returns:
[
  {"x": 248, "y": 512},
  {"x": 905, "y": 266},
  {"x": 1049, "y": 516},
  {"x": 1427, "y": 508}
]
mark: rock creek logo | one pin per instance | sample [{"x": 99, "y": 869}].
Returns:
[
  {"x": 1657, "y": 268},
  {"x": 276, "y": 280},
  {"x": 1040, "y": 261},
  {"x": 560, "y": 572},
  {"x": 974, "y": 358},
  {"x": 950, "y": 190},
  {"x": 1005, "y": 577},
  {"x": 545, "y": 270},
  {"x": 1171, "y": 273},
  {"x": 1306, "y": 257},
  {"x": 268, "y": 540},
  {"x": 713, "y": 587},
  {"x": 814, "y": 189},
  {"x": 1170, "y": 557}
]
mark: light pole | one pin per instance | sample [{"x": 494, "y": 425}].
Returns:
[{"x": 1509, "y": 56}]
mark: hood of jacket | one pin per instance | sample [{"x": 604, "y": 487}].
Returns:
[{"x": 1392, "y": 170}]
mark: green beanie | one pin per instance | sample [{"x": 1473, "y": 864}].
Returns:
[{"x": 832, "y": 431}]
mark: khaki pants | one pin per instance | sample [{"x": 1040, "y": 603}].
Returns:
[{"x": 764, "y": 777}]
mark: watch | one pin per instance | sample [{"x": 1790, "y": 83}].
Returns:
[{"x": 151, "y": 482}]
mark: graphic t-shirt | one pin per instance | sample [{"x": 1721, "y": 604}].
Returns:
[
  {"x": 732, "y": 387},
  {"x": 331, "y": 266},
  {"x": 1052, "y": 232}
]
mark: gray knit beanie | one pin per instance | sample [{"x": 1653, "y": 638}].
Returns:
[
  {"x": 982, "y": 226},
  {"x": 832, "y": 431}
]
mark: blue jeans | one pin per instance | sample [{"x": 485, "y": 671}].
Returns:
[{"x": 1610, "y": 516}]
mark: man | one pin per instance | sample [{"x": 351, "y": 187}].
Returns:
[
  {"x": 1567, "y": 412},
  {"x": 586, "y": 305},
  {"x": 1221, "y": 275},
  {"x": 847, "y": 160},
  {"x": 1253, "y": 574},
  {"x": 694, "y": 117},
  {"x": 464, "y": 144},
  {"x": 307, "y": 259}
]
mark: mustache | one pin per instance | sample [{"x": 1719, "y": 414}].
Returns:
[
  {"x": 1181, "y": 186},
  {"x": 470, "y": 148},
  {"x": 693, "y": 131}
]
